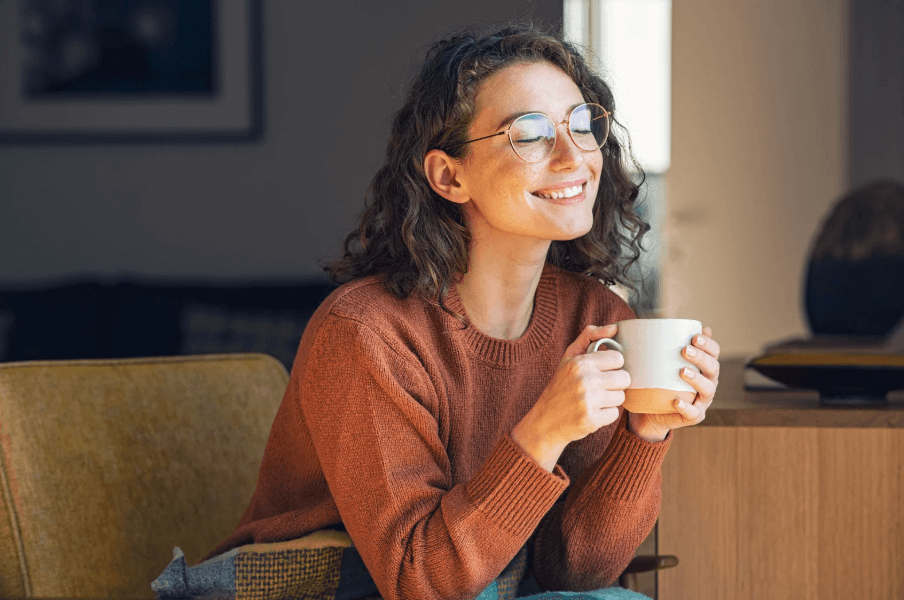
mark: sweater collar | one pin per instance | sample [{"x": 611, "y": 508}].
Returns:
[{"x": 508, "y": 352}]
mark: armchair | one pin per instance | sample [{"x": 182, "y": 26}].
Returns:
[{"x": 108, "y": 464}]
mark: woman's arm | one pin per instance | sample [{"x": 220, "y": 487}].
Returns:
[{"x": 590, "y": 536}]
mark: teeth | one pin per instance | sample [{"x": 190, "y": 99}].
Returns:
[{"x": 563, "y": 193}]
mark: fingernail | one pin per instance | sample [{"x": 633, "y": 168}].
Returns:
[
  {"x": 700, "y": 341},
  {"x": 682, "y": 404},
  {"x": 688, "y": 372},
  {"x": 691, "y": 351}
]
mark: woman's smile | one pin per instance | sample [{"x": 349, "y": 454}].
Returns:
[{"x": 571, "y": 192}]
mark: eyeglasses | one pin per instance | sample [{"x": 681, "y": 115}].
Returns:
[{"x": 533, "y": 136}]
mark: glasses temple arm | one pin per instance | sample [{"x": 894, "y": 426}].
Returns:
[{"x": 480, "y": 138}]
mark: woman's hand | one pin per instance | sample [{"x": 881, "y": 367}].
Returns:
[
  {"x": 582, "y": 396},
  {"x": 654, "y": 428}
]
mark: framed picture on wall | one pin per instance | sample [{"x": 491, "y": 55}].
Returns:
[{"x": 130, "y": 71}]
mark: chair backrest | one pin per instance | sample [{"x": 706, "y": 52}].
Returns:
[{"x": 106, "y": 465}]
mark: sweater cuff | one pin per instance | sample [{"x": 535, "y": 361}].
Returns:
[
  {"x": 630, "y": 463},
  {"x": 513, "y": 490}
]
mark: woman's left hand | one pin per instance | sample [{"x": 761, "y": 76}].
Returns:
[{"x": 655, "y": 427}]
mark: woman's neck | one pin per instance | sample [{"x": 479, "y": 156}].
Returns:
[{"x": 498, "y": 290}]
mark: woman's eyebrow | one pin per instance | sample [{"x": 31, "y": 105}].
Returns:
[{"x": 513, "y": 116}]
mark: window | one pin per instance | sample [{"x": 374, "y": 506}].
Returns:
[{"x": 629, "y": 43}]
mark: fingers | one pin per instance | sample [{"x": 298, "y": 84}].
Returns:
[
  {"x": 708, "y": 365},
  {"x": 598, "y": 332},
  {"x": 617, "y": 378},
  {"x": 601, "y": 370},
  {"x": 706, "y": 343},
  {"x": 588, "y": 335},
  {"x": 608, "y": 361},
  {"x": 700, "y": 382},
  {"x": 691, "y": 412}
]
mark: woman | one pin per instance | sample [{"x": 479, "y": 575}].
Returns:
[{"x": 441, "y": 407}]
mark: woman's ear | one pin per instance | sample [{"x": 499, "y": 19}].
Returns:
[{"x": 442, "y": 174}]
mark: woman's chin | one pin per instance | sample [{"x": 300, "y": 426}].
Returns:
[{"x": 573, "y": 232}]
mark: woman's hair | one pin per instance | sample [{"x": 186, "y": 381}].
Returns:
[{"x": 417, "y": 240}]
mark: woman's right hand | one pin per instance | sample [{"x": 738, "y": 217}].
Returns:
[{"x": 583, "y": 395}]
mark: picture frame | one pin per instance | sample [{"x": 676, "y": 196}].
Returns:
[{"x": 222, "y": 104}]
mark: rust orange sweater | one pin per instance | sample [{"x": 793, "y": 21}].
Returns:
[{"x": 396, "y": 423}]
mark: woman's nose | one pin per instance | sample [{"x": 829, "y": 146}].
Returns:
[{"x": 565, "y": 152}]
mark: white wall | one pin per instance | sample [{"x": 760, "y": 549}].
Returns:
[
  {"x": 759, "y": 92},
  {"x": 334, "y": 76}
]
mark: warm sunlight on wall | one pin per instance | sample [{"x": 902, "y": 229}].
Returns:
[{"x": 759, "y": 154}]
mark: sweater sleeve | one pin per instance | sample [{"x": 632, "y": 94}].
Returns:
[
  {"x": 590, "y": 536},
  {"x": 371, "y": 411}
]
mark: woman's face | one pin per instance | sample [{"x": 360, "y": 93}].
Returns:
[{"x": 510, "y": 198}]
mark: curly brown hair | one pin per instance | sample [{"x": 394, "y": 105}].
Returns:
[{"x": 418, "y": 241}]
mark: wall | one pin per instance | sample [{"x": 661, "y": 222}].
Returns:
[
  {"x": 334, "y": 75},
  {"x": 759, "y": 154},
  {"x": 877, "y": 90}
]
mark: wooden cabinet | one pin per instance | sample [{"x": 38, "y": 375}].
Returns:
[{"x": 775, "y": 497}]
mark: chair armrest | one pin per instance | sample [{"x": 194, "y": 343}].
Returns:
[{"x": 644, "y": 564}]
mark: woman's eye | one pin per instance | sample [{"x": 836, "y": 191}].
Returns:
[{"x": 529, "y": 140}]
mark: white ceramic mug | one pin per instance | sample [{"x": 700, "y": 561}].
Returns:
[{"x": 652, "y": 350}]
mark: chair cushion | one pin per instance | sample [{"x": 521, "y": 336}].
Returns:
[
  {"x": 106, "y": 465},
  {"x": 321, "y": 565}
]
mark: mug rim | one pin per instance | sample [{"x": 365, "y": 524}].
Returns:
[{"x": 658, "y": 319}]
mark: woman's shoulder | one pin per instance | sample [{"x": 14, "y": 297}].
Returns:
[
  {"x": 572, "y": 283},
  {"x": 356, "y": 294},
  {"x": 368, "y": 303},
  {"x": 590, "y": 293},
  {"x": 368, "y": 297}
]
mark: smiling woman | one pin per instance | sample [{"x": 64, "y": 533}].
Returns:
[
  {"x": 420, "y": 245},
  {"x": 510, "y": 203},
  {"x": 441, "y": 409}
]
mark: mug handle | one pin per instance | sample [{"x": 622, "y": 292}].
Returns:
[{"x": 608, "y": 342}]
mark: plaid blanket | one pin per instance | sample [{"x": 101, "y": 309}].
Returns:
[{"x": 323, "y": 565}]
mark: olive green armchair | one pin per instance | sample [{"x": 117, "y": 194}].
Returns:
[{"x": 108, "y": 464}]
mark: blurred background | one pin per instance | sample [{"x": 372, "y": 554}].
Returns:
[{"x": 775, "y": 109}]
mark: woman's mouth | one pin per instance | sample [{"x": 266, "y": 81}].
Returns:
[
  {"x": 560, "y": 194},
  {"x": 572, "y": 192}
]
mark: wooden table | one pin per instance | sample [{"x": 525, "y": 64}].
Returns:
[{"x": 773, "y": 496}]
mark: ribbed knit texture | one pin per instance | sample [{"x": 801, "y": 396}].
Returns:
[{"x": 396, "y": 424}]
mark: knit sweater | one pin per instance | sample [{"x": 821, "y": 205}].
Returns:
[{"x": 396, "y": 424}]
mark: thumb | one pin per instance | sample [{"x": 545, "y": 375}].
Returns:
[{"x": 590, "y": 334}]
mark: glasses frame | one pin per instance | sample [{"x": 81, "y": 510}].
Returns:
[{"x": 555, "y": 129}]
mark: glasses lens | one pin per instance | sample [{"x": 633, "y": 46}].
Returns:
[
  {"x": 589, "y": 126},
  {"x": 533, "y": 137}
]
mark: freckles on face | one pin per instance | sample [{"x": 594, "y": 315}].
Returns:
[{"x": 551, "y": 199}]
